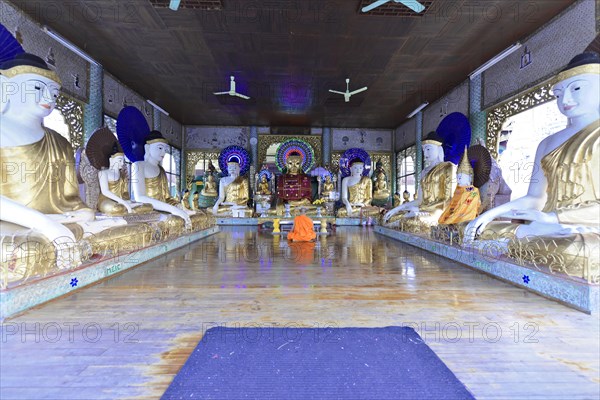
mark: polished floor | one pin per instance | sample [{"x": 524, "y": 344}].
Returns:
[{"x": 128, "y": 336}]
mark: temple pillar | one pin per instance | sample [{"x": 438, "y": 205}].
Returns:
[
  {"x": 254, "y": 147},
  {"x": 326, "y": 146},
  {"x": 419, "y": 149},
  {"x": 394, "y": 162},
  {"x": 183, "y": 161},
  {"x": 477, "y": 117},
  {"x": 93, "y": 117}
]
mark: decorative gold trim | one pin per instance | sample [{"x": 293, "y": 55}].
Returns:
[
  {"x": 582, "y": 69},
  {"x": 429, "y": 141},
  {"x": 72, "y": 112},
  {"x": 193, "y": 156},
  {"x": 157, "y": 141},
  {"x": 29, "y": 69},
  {"x": 496, "y": 116},
  {"x": 264, "y": 141}
]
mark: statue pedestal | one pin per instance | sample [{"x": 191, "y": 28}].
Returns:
[{"x": 570, "y": 291}]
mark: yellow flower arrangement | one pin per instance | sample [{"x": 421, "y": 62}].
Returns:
[{"x": 319, "y": 202}]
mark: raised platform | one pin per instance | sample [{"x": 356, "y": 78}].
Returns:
[
  {"x": 572, "y": 292},
  {"x": 28, "y": 295},
  {"x": 226, "y": 221}
]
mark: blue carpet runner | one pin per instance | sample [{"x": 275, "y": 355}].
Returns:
[{"x": 314, "y": 363}]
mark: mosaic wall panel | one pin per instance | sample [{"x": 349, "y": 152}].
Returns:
[
  {"x": 117, "y": 95},
  {"x": 72, "y": 69},
  {"x": 367, "y": 139},
  {"x": 265, "y": 141},
  {"x": 216, "y": 137},
  {"x": 406, "y": 134},
  {"x": 456, "y": 100},
  {"x": 550, "y": 50}
]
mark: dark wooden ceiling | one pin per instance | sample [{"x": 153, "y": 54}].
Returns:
[{"x": 286, "y": 54}]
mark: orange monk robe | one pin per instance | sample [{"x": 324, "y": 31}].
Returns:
[
  {"x": 303, "y": 230},
  {"x": 463, "y": 207}
]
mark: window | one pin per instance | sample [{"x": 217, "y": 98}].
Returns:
[
  {"x": 171, "y": 166},
  {"x": 405, "y": 165},
  {"x": 520, "y": 137}
]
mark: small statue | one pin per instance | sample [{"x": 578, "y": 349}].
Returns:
[
  {"x": 210, "y": 186},
  {"x": 397, "y": 200},
  {"x": 381, "y": 192},
  {"x": 406, "y": 197},
  {"x": 435, "y": 191},
  {"x": 195, "y": 201},
  {"x": 185, "y": 200},
  {"x": 263, "y": 186},
  {"x": 465, "y": 203},
  {"x": 328, "y": 187}
]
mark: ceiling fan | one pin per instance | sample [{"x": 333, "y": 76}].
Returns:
[
  {"x": 232, "y": 91},
  {"x": 412, "y": 4},
  {"x": 348, "y": 93}
]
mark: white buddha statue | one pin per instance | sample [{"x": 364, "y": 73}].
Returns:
[
  {"x": 149, "y": 180},
  {"x": 435, "y": 191},
  {"x": 233, "y": 192},
  {"x": 39, "y": 188},
  {"x": 357, "y": 191},
  {"x": 562, "y": 204}
]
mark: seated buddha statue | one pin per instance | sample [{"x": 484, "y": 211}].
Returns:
[
  {"x": 328, "y": 187},
  {"x": 263, "y": 186},
  {"x": 185, "y": 200},
  {"x": 357, "y": 192},
  {"x": 39, "y": 194},
  {"x": 234, "y": 192},
  {"x": 209, "y": 193},
  {"x": 562, "y": 204},
  {"x": 294, "y": 187},
  {"x": 114, "y": 188},
  {"x": 149, "y": 180},
  {"x": 381, "y": 192},
  {"x": 464, "y": 205},
  {"x": 435, "y": 191}
]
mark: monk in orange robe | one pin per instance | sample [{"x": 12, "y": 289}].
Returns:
[{"x": 303, "y": 229}]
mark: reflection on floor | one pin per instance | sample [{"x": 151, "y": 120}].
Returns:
[{"x": 128, "y": 336}]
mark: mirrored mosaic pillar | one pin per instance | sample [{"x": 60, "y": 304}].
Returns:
[
  {"x": 326, "y": 146},
  {"x": 254, "y": 147},
  {"x": 477, "y": 117},
  {"x": 419, "y": 150},
  {"x": 93, "y": 111}
]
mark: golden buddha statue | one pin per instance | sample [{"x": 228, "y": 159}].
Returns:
[
  {"x": 381, "y": 192},
  {"x": 397, "y": 200},
  {"x": 465, "y": 202},
  {"x": 357, "y": 192},
  {"x": 209, "y": 194},
  {"x": 263, "y": 186},
  {"x": 185, "y": 200},
  {"x": 328, "y": 187},
  {"x": 210, "y": 187},
  {"x": 195, "y": 201},
  {"x": 435, "y": 191},
  {"x": 562, "y": 205},
  {"x": 294, "y": 187},
  {"x": 234, "y": 192}
]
